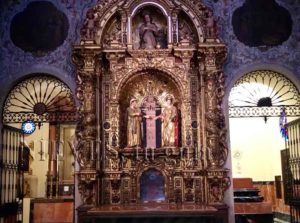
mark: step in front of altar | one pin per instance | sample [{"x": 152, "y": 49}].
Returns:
[{"x": 148, "y": 213}]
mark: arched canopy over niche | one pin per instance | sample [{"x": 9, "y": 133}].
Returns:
[
  {"x": 263, "y": 93},
  {"x": 41, "y": 98},
  {"x": 149, "y": 28},
  {"x": 186, "y": 29},
  {"x": 120, "y": 21},
  {"x": 144, "y": 86},
  {"x": 112, "y": 32}
]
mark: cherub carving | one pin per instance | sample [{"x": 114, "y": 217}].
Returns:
[
  {"x": 210, "y": 25},
  {"x": 89, "y": 25}
]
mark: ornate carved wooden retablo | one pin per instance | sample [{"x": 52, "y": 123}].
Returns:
[{"x": 150, "y": 86}]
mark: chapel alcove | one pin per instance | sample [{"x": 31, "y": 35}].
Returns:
[
  {"x": 265, "y": 104},
  {"x": 39, "y": 119}
]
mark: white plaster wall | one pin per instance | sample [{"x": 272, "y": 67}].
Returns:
[{"x": 255, "y": 148}]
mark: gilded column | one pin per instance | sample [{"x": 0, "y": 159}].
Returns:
[
  {"x": 186, "y": 54},
  {"x": 174, "y": 20},
  {"x": 85, "y": 60},
  {"x": 212, "y": 57}
]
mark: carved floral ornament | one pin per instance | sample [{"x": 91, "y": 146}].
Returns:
[{"x": 171, "y": 65}]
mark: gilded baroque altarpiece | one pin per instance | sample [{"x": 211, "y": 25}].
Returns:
[{"x": 142, "y": 55}]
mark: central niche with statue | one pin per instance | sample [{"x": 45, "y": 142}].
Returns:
[
  {"x": 150, "y": 86},
  {"x": 152, "y": 186},
  {"x": 150, "y": 112}
]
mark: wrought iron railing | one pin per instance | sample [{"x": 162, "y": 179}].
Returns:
[
  {"x": 12, "y": 166},
  {"x": 291, "y": 170}
]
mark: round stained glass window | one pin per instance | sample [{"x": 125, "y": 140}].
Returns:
[{"x": 28, "y": 127}]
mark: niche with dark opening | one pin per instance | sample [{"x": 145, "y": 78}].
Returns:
[{"x": 152, "y": 186}]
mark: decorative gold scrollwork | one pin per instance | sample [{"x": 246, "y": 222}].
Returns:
[{"x": 110, "y": 73}]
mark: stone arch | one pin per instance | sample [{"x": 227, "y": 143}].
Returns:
[
  {"x": 273, "y": 71},
  {"x": 236, "y": 76},
  {"x": 30, "y": 72},
  {"x": 58, "y": 97},
  {"x": 254, "y": 67}
]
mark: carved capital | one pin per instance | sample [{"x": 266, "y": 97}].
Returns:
[
  {"x": 86, "y": 58},
  {"x": 78, "y": 59},
  {"x": 184, "y": 54},
  {"x": 213, "y": 55}
]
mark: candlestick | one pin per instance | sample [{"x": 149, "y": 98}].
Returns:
[
  {"x": 146, "y": 154},
  {"x": 92, "y": 153},
  {"x": 152, "y": 153}
]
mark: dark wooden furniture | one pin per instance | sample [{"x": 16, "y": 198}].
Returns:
[
  {"x": 52, "y": 210},
  {"x": 248, "y": 204}
]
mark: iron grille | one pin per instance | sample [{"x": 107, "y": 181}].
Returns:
[
  {"x": 263, "y": 93},
  {"x": 41, "y": 99}
]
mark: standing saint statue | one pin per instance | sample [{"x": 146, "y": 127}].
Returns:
[
  {"x": 148, "y": 32},
  {"x": 169, "y": 126},
  {"x": 133, "y": 124}
]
